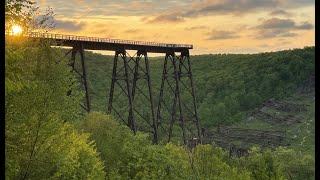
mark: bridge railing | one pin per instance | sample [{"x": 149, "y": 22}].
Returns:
[{"x": 107, "y": 40}]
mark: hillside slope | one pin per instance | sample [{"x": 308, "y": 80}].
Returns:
[
  {"x": 288, "y": 122},
  {"x": 227, "y": 86}
]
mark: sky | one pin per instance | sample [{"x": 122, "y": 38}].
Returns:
[{"x": 211, "y": 26}]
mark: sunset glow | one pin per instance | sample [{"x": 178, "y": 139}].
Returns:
[
  {"x": 16, "y": 30},
  {"x": 224, "y": 26}
]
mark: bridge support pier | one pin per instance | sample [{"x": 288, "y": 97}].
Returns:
[
  {"x": 120, "y": 78},
  {"x": 83, "y": 75},
  {"x": 143, "y": 75},
  {"x": 177, "y": 103},
  {"x": 131, "y": 77}
]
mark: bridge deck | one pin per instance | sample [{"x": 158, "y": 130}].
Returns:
[{"x": 94, "y": 43}]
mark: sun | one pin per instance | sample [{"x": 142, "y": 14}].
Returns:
[{"x": 16, "y": 30}]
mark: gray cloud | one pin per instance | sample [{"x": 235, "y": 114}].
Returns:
[
  {"x": 243, "y": 7},
  {"x": 229, "y": 7},
  {"x": 280, "y": 12},
  {"x": 69, "y": 25},
  {"x": 170, "y": 17},
  {"x": 196, "y": 28},
  {"x": 218, "y": 35},
  {"x": 264, "y": 45},
  {"x": 283, "y": 41},
  {"x": 232, "y": 7},
  {"x": 289, "y": 34},
  {"x": 276, "y": 27},
  {"x": 60, "y": 24},
  {"x": 276, "y": 23},
  {"x": 274, "y": 33},
  {"x": 168, "y": 10},
  {"x": 86, "y": 8},
  {"x": 131, "y": 31},
  {"x": 305, "y": 25}
]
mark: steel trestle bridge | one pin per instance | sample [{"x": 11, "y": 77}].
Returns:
[
  {"x": 176, "y": 111},
  {"x": 94, "y": 43}
]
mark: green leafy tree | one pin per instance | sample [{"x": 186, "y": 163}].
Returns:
[
  {"x": 293, "y": 165},
  {"x": 25, "y": 13},
  {"x": 109, "y": 137},
  {"x": 128, "y": 156},
  {"x": 278, "y": 164},
  {"x": 40, "y": 140},
  {"x": 18, "y": 12},
  {"x": 209, "y": 163}
]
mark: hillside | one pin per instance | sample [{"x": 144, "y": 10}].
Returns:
[
  {"x": 289, "y": 122},
  {"x": 227, "y": 86}
]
